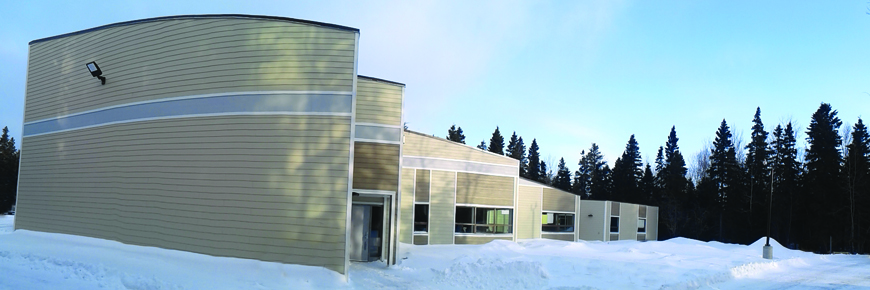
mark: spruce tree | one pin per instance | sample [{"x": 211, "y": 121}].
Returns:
[
  {"x": 534, "y": 171},
  {"x": 725, "y": 175},
  {"x": 673, "y": 187},
  {"x": 823, "y": 184},
  {"x": 496, "y": 143},
  {"x": 455, "y": 134},
  {"x": 627, "y": 173},
  {"x": 592, "y": 179},
  {"x": 563, "y": 177},
  {"x": 482, "y": 145},
  {"x": 857, "y": 171},
  {"x": 647, "y": 186},
  {"x": 758, "y": 175},
  {"x": 543, "y": 177},
  {"x": 786, "y": 176},
  {"x": 9, "y": 158}
]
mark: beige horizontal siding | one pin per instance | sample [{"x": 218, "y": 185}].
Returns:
[
  {"x": 421, "y": 191},
  {"x": 476, "y": 240},
  {"x": 247, "y": 196},
  {"x": 417, "y": 144},
  {"x": 184, "y": 57},
  {"x": 652, "y": 223},
  {"x": 421, "y": 239},
  {"x": 627, "y": 221},
  {"x": 376, "y": 166},
  {"x": 592, "y": 227},
  {"x": 484, "y": 189},
  {"x": 441, "y": 208},
  {"x": 406, "y": 222},
  {"x": 561, "y": 237},
  {"x": 558, "y": 200},
  {"x": 378, "y": 102},
  {"x": 528, "y": 212}
]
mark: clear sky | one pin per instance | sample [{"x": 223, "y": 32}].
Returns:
[{"x": 568, "y": 73}]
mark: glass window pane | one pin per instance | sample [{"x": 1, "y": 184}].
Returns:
[
  {"x": 421, "y": 217},
  {"x": 464, "y": 215},
  {"x": 614, "y": 224}
]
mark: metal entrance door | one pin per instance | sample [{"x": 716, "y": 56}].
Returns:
[{"x": 360, "y": 228}]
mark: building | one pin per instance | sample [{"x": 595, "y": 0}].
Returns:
[{"x": 253, "y": 137}]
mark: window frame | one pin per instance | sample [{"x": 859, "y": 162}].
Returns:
[
  {"x": 473, "y": 225},
  {"x": 559, "y": 227},
  {"x": 645, "y": 225},
  {"x": 612, "y": 224}
]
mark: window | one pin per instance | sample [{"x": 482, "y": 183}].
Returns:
[
  {"x": 614, "y": 224},
  {"x": 421, "y": 218},
  {"x": 641, "y": 225},
  {"x": 483, "y": 220},
  {"x": 557, "y": 222}
]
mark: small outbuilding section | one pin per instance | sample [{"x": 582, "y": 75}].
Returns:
[{"x": 603, "y": 220}]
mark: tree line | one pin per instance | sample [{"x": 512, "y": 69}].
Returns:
[
  {"x": 819, "y": 198},
  {"x": 9, "y": 157}
]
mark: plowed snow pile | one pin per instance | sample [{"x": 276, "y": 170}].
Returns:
[{"x": 34, "y": 260}]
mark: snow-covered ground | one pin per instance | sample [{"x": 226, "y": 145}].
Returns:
[{"x": 34, "y": 260}]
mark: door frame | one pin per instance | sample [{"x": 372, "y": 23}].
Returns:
[{"x": 388, "y": 246}]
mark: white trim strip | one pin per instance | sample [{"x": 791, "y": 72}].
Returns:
[
  {"x": 554, "y": 211},
  {"x": 484, "y": 205},
  {"x": 197, "y": 115},
  {"x": 222, "y": 105},
  {"x": 376, "y": 141},
  {"x": 379, "y": 125},
  {"x": 195, "y": 97},
  {"x": 463, "y": 171},
  {"x": 374, "y": 192},
  {"x": 466, "y": 161},
  {"x": 458, "y": 165},
  {"x": 483, "y": 235}
]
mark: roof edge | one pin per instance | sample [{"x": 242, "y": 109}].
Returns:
[
  {"x": 197, "y": 16},
  {"x": 381, "y": 80},
  {"x": 460, "y": 144},
  {"x": 536, "y": 183}
]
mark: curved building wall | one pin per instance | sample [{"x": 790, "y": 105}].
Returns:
[{"x": 225, "y": 135}]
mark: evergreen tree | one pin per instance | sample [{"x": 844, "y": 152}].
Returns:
[
  {"x": 534, "y": 171},
  {"x": 9, "y": 158},
  {"x": 823, "y": 182},
  {"x": 786, "y": 173},
  {"x": 725, "y": 175},
  {"x": 543, "y": 178},
  {"x": 673, "y": 188},
  {"x": 496, "y": 143},
  {"x": 857, "y": 170},
  {"x": 627, "y": 173},
  {"x": 517, "y": 150},
  {"x": 757, "y": 157},
  {"x": 563, "y": 177},
  {"x": 647, "y": 186},
  {"x": 592, "y": 177},
  {"x": 455, "y": 134},
  {"x": 482, "y": 146}
]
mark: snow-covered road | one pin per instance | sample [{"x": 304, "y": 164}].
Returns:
[{"x": 34, "y": 260}]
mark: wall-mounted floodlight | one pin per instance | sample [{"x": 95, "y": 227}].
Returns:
[
  {"x": 590, "y": 215},
  {"x": 96, "y": 72}
]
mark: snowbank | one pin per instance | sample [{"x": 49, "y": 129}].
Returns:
[{"x": 34, "y": 260}]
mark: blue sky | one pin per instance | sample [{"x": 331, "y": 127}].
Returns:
[{"x": 568, "y": 73}]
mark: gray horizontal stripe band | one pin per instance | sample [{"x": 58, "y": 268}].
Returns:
[
  {"x": 378, "y": 133},
  {"x": 458, "y": 165},
  {"x": 212, "y": 105}
]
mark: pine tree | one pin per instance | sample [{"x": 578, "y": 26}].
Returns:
[
  {"x": 534, "y": 170},
  {"x": 857, "y": 171},
  {"x": 496, "y": 143},
  {"x": 455, "y": 134},
  {"x": 563, "y": 177},
  {"x": 758, "y": 175},
  {"x": 647, "y": 186},
  {"x": 627, "y": 173},
  {"x": 822, "y": 183},
  {"x": 482, "y": 146},
  {"x": 9, "y": 158}
]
